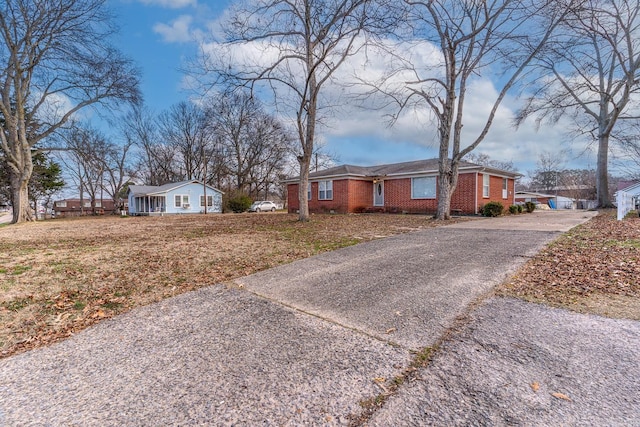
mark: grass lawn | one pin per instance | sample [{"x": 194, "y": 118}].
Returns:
[{"x": 59, "y": 276}]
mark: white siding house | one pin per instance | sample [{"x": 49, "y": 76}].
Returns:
[{"x": 177, "y": 198}]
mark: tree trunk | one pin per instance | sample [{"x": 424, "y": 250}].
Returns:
[
  {"x": 303, "y": 200},
  {"x": 20, "y": 190},
  {"x": 446, "y": 185},
  {"x": 602, "y": 177},
  {"x": 444, "y": 198}
]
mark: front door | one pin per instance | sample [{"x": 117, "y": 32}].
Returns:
[{"x": 378, "y": 193}]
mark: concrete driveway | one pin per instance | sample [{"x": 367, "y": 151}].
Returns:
[{"x": 305, "y": 343}]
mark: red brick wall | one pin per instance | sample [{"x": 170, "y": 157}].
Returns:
[
  {"x": 397, "y": 198},
  {"x": 357, "y": 195},
  {"x": 495, "y": 192},
  {"x": 360, "y": 195},
  {"x": 463, "y": 197},
  {"x": 292, "y": 198},
  {"x": 348, "y": 196}
]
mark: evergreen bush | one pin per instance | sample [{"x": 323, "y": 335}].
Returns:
[{"x": 492, "y": 209}]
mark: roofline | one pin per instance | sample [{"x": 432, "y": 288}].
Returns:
[
  {"x": 184, "y": 183},
  {"x": 465, "y": 169}
]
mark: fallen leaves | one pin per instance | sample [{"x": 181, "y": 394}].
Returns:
[
  {"x": 599, "y": 257},
  {"x": 535, "y": 386},
  {"x": 76, "y": 272},
  {"x": 561, "y": 396}
]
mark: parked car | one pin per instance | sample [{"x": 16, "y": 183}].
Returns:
[{"x": 263, "y": 206}]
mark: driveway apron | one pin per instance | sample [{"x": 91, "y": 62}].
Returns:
[{"x": 304, "y": 343}]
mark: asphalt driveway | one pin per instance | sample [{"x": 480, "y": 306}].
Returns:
[{"x": 309, "y": 342}]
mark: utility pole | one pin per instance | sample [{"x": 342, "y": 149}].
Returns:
[{"x": 204, "y": 176}]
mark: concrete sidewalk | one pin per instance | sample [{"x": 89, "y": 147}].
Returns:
[{"x": 305, "y": 343}]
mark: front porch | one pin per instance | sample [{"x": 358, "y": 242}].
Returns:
[{"x": 150, "y": 205}]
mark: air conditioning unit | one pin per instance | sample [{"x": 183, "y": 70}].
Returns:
[{"x": 186, "y": 206}]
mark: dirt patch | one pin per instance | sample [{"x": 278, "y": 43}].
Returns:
[
  {"x": 57, "y": 277},
  {"x": 595, "y": 268}
]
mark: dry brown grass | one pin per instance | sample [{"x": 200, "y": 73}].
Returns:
[
  {"x": 595, "y": 268},
  {"x": 60, "y": 276}
]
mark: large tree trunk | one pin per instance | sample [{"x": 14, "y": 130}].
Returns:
[
  {"x": 303, "y": 201},
  {"x": 602, "y": 176},
  {"x": 446, "y": 185},
  {"x": 20, "y": 192},
  {"x": 444, "y": 197}
]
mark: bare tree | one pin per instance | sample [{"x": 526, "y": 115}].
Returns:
[
  {"x": 184, "y": 128},
  {"x": 484, "y": 159},
  {"x": 55, "y": 60},
  {"x": 592, "y": 76},
  {"x": 548, "y": 168},
  {"x": 467, "y": 40},
  {"x": 255, "y": 144},
  {"x": 630, "y": 154},
  {"x": 85, "y": 160},
  {"x": 303, "y": 42},
  {"x": 156, "y": 161},
  {"x": 117, "y": 172}
]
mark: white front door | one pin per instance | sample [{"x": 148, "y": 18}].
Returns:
[{"x": 378, "y": 193}]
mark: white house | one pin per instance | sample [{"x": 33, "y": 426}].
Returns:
[{"x": 175, "y": 198}]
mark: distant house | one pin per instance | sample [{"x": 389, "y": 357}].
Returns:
[
  {"x": 175, "y": 198},
  {"x": 409, "y": 187},
  {"x": 556, "y": 202},
  {"x": 631, "y": 188},
  {"x": 75, "y": 207}
]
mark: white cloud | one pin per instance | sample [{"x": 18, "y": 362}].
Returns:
[
  {"x": 172, "y": 4},
  {"x": 176, "y": 31},
  {"x": 363, "y": 125}
]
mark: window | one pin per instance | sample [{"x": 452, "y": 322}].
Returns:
[
  {"x": 209, "y": 201},
  {"x": 325, "y": 190},
  {"x": 98, "y": 204},
  {"x": 505, "y": 188},
  {"x": 423, "y": 187},
  {"x": 309, "y": 191},
  {"x": 485, "y": 185},
  {"x": 181, "y": 201},
  {"x": 87, "y": 204},
  {"x": 61, "y": 204}
]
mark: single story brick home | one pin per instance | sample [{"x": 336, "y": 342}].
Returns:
[
  {"x": 409, "y": 187},
  {"x": 174, "y": 198}
]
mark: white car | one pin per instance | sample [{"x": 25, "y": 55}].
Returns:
[{"x": 263, "y": 206}]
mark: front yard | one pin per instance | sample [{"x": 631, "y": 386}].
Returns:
[{"x": 57, "y": 277}]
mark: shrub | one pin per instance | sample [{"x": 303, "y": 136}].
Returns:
[
  {"x": 520, "y": 208},
  {"x": 530, "y": 207},
  {"x": 492, "y": 209},
  {"x": 513, "y": 209},
  {"x": 239, "y": 203}
]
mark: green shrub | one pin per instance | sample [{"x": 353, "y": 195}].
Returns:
[
  {"x": 513, "y": 209},
  {"x": 492, "y": 209},
  {"x": 239, "y": 203},
  {"x": 520, "y": 208},
  {"x": 530, "y": 207}
]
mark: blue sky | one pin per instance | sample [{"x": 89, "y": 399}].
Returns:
[{"x": 159, "y": 36}]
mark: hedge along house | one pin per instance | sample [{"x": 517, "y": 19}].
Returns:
[
  {"x": 409, "y": 187},
  {"x": 176, "y": 198}
]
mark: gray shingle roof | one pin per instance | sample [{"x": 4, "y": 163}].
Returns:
[
  {"x": 413, "y": 167},
  {"x": 141, "y": 190}
]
